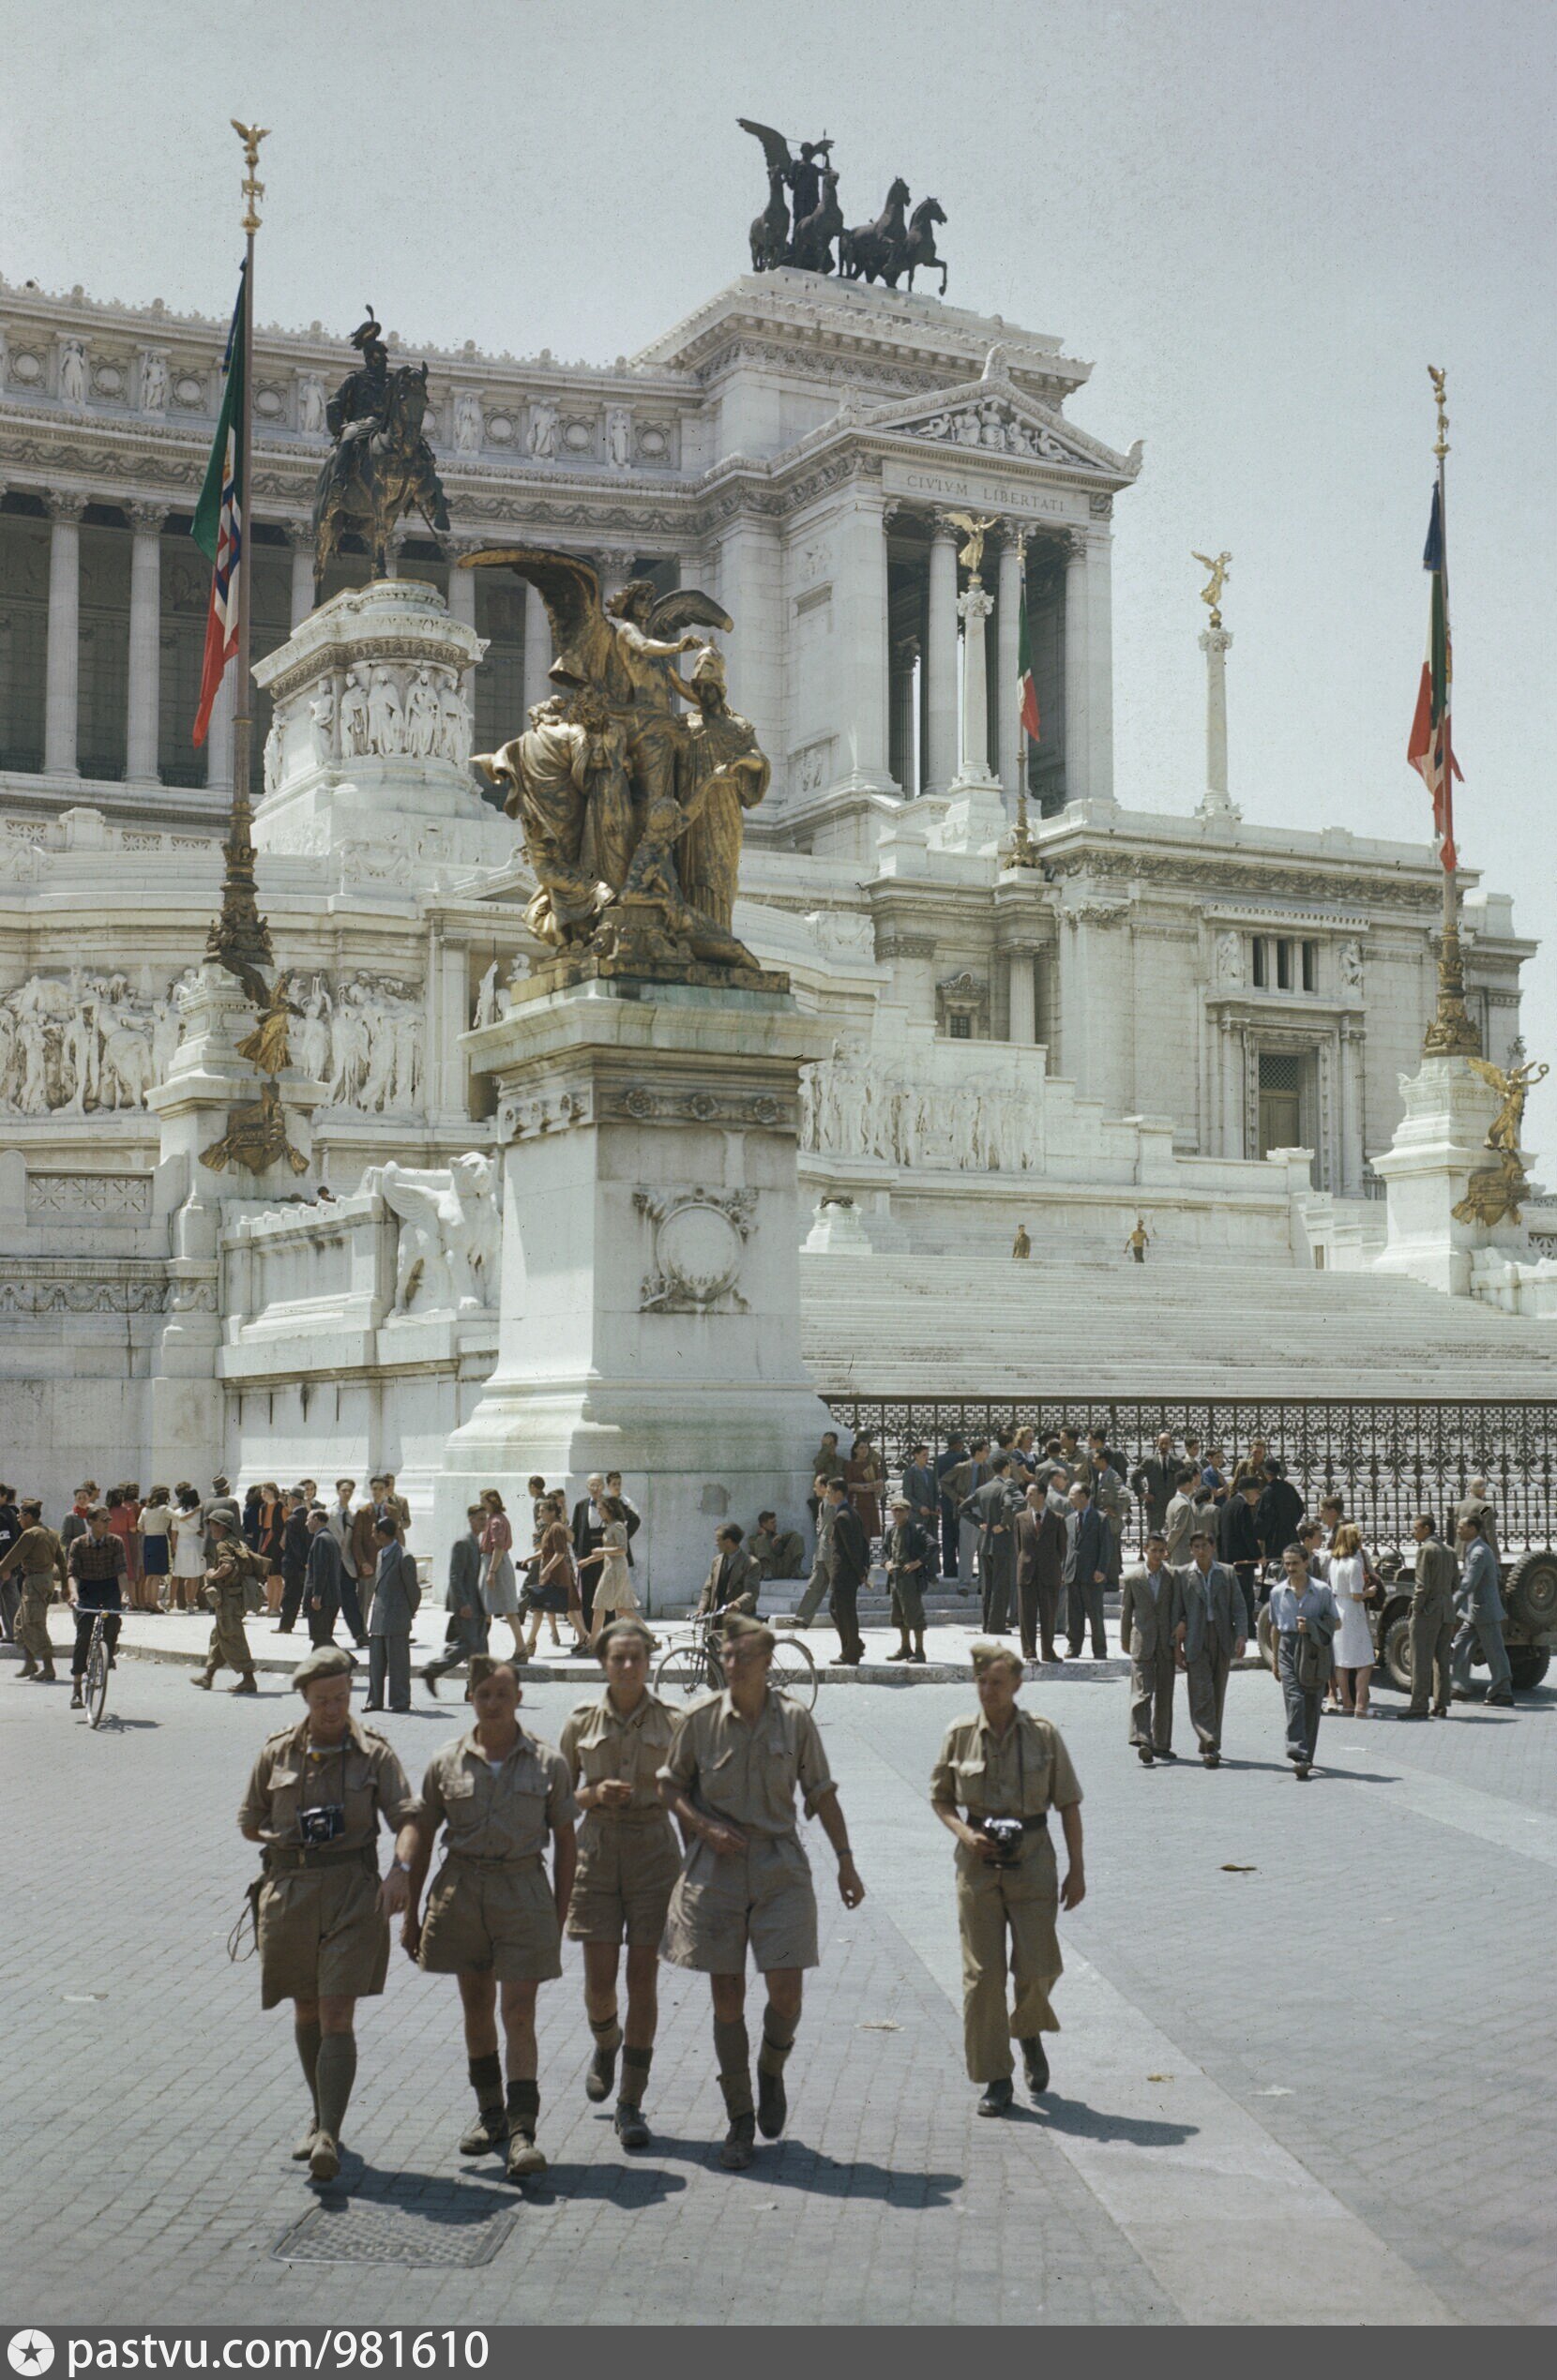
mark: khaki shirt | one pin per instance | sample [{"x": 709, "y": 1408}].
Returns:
[
  {"x": 227, "y": 1570},
  {"x": 506, "y": 1814},
  {"x": 36, "y": 1554},
  {"x": 745, "y": 1773},
  {"x": 1019, "y": 1776},
  {"x": 363, "y": 1774},
  {"x": 598, "y": 1743}
]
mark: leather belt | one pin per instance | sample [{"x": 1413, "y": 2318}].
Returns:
[
  {"x": 492, "y": 1858},
  {"x": 278, "y": 1859}
]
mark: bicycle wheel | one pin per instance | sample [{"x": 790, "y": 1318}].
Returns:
[
  {"x": 793, "y": 1672},
  {"x": 95, "y": 1684},
  {"x": 682, "y": 1673}
]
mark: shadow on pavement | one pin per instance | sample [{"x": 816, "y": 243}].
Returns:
[
  {"x": 790, "y": 2164},
  {"x": 1082, "y": 2123}
]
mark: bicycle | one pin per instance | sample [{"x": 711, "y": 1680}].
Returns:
[
  {"x": 94, "y": 1684},
  {"x": 692, "y": 1667}
]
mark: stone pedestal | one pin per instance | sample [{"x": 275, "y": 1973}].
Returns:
[
  {"x": 370, "y": 741},
  {"x": 206, "y": 1082},
  {"x": 974, "y": 817},
  {"x": 1439, "y": 1144},
  {"x": 650, "y": 1314}
]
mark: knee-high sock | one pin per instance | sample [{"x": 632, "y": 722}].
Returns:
[
  {"x": 778, "y": 2041},
  {"x": 733, "y": 2048},
  {"x": 486, "y": 2080},
  {"x": 607, "y": 2031},
  {"x": 523, "y": 2105},
  {"x": 337, "y": 2072},
  {"x": 307, "y": 2038},
  {"x": 635, "y": 2075}
]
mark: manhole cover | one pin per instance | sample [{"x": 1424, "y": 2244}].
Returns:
[{"x": 453, "y": 2227}]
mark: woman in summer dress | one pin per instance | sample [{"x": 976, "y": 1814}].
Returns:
[{"x": 499, "y": 1588}]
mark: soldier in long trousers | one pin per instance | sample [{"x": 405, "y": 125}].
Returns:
[
  {"x": 226, "y": 1580},
  {"x": 1007, "y": 1769},
  {"x": 614, "y": 1747},
  {"x": 745, "y": 1883},
  {"x": 467, "y": 1612},
  {"x": 1481, "y": 1605},
  {"x": 1148, "y": 1615},
  {"x": 1431, "y": 1623},
  {"x": 39, "y": 1558},
  {"x": 1208, "y": 1637},
  {"x": 492, "y": 1917},
  {"x": 316, "y": 1800}
]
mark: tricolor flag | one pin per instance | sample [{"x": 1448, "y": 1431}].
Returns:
[
  {"x": 1431, "y": 745},
  {"x": 218, "y": 523},
  {"x": 1027, "y": 693}
]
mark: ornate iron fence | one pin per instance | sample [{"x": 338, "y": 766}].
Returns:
[{"x": 1389, "y": 1459}]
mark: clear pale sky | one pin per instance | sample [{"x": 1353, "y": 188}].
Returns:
[{"x": 1262, "y": 223}]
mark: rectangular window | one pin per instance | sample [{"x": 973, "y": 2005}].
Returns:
[
  {"x": 960, "y": 1028},
  {"x": 1260, "y": 967},
  {"x": 1310, "y": 966},
  {"x": 1283, "y": 964}
]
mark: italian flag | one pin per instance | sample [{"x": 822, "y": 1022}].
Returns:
[
  {"x": 1027, "y": 693},
  {"x": 217, "y": 529},
  {"x": 1430, "y": 746}
]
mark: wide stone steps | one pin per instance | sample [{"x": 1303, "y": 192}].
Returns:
[{"x": 943, "y": 1327}]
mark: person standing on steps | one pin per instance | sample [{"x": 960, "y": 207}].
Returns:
[
  {"x": 1007, "y": 1770},
  {"x": 1138, "y": 1240},
  {"x": 1021, "y": 1246},
  {"x": 231, "y": 1566},
  {"x": 316, "y": 1800},
  {"x": 492, "y": 1918},
  {"x": 1432, "y": 1623},
  {"x": 1148, "y": 1616},
  {"x": 628, "y": 1862},
  {"x": 730, "y": 1782},
  {"x": 1208, "y": 1637}
]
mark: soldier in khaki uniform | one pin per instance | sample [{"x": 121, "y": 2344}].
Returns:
[
  {"x": 316, "y": 1800},
  {"x": 492, "y": 1918},
  {"x": 730, "y": 1781},
  {"x": 1005, "y": 1763},
  {"x": 224, "y": 1592},
  {"x": 39, "y": 1556},
  {"x": 629, "y": 1860}
]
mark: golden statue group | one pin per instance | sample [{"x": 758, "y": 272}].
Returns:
[{"x": 631, "y": 807}]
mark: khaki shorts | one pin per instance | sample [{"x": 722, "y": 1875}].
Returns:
[
  {"x": 499, "y": 1921},
  {"x": 761, "y": 1898},
  {"x": 322, "y": 1934},
  {"x": 621, "y": 1887}
]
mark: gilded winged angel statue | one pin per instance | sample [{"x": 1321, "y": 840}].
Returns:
[
  {"x": 1211, "y": 594},
  {"x": 975, "y": 527}
]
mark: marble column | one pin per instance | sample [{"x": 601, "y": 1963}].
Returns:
[
  {"x": 863, "y": 653},
  {"x": 461, "y": 586},
  {"x": 1099, "y": 566},
  {"x": 142, "y": 715},
  {"x": 1232, "y": 1088},
  {"x": 1010, "y": 752},
  {"x": 1353, "y": 1156},
  {"x": 614, "y": 565},
  {"x": 1078, "y": 675},
  {"x": 62, "y": 669},
  {"x": 1216, "y": 803},
  {"x": 537, "y": 650},
  {"x": 974, "y": 610},
  {"x": 940, "y": 660},
  {"x": 301, "y": 538}
]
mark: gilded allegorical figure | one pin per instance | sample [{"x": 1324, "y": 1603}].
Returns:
[
  {"x": 630, "y": 808},
  {"x": 1493, "y": 1195},
  {"x": 1513, "y": 1089}
]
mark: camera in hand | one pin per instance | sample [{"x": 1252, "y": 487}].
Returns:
[
  {"x": 1006, "y": 1834},
  {"x": 325, "y": 1823}
]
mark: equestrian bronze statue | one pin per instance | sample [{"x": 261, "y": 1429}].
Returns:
[{"x": 381, "y": 466}]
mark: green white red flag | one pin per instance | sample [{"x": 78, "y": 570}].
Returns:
[
  {"x": 1430, "y": 746},
  {"x": 218, "y": 523},
  {"x": 1027, "y": 690}
]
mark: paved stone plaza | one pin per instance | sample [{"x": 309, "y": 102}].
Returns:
[{"x": 1303, "y": 2075}]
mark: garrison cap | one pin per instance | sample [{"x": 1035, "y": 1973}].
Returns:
[{"x": 327, "y": 1660}]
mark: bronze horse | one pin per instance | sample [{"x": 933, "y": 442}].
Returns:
[
  {"x": 814, "y": 235},
  {"x": 920, "y": 244},
  {"x": 873, "y": 250},
  {"x": 373, "y": 480},
  {"x": 770, "y": 230}
]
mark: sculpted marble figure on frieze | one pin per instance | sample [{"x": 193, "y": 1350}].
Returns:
[{"x": 630, "y": 807}]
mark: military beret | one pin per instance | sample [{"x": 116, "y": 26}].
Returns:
[{"x": 326, "y": 1661}]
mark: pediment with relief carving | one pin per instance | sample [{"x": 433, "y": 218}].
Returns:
[{"x": 992, "y": 418}]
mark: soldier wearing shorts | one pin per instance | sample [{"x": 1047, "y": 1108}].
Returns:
[
  {"x": 1006, "y": 1765},
  {"x": 39, "y": 1556},
  {"x": 629, "y": 1860},
  {"x": 492, "y": 1918},
  {"x": 315, "y": 1800},
  {"x": 745, "y": 1883}
]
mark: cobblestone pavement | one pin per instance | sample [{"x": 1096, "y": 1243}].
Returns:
[{"x": 1302, "y": 2075}]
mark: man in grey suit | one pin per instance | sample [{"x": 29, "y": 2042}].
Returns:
[
  {"x": 1432, "y": 1621},
  {"x": 1148, "y": 1615},
  {"x": 995, "y": 1508},
  {"x": 1208, "y": 1639},
  {"x": 1480, "y": 1601},
  {"x": 1089, "y": 1550},
  {"x": 396, "y": 1594}
]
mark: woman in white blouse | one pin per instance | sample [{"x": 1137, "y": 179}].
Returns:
[{"x": 1353, "y": 1645}]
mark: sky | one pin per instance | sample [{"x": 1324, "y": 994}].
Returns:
[{"x": 1260, "y": 222}]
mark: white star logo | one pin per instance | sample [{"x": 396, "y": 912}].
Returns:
[{"x": 30, "y": 2350}]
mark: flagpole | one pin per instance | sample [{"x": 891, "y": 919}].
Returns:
[
  {"x": 240, "y": 939},
  {"x": 1451, "y": 1035},
  {"x": 1022, "y": 854}
]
